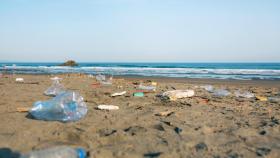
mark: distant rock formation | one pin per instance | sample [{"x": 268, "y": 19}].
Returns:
[{"x": 71, "y": 63}]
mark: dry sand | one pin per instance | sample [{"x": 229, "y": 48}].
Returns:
[{"x": 223, "y": 127}]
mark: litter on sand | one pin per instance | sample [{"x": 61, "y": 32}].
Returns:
[
  {"x": 178, "y": 94},
  {"x": 20, "y": 80},
  {"x": 274, "y": 99},
  {"x": 208, "y": 88},
  {"x": 23, "y": 109},
  {"x": 56, "y": 87},
  {"x": 102, "y": 79},
  {"x": 154, "y": 83},
  {"x": 107, "y": 107},
  {"x": 56, "y": 78},
  {"x": 56, "y": 152},
  {"x": 118, "y": 94},
  {"x": 164, "y": 113},
  {"x": 148, "y": 88},
  {"x": 261, "y": 98},
  {"x": 221, "y": 92},
  {"x": 65, "y": 107},
  {"x": 245, "y": 94},
  {"x": 138, "y": 94}
]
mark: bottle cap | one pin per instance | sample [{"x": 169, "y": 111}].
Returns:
[{"x": 81, "y": 153}]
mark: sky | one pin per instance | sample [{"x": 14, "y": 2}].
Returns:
[{"x": 140, "y": 30}]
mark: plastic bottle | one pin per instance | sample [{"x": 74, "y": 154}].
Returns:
[
  {"x": 65, "y": 107},
  {"x": 57, "y": 152},
  {"x": 56, "y": 87}
]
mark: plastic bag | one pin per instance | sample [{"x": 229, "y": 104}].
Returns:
[
  {"x": 148, "y": 88},
  {"x": 244, "y": 94},
  {"x": 65, "y": 107},
  {"x": 208, "y": 88},
  {"x": 221, "y": 92},
  {"x": 102, "y": 79},
  {"x": 56, "y": 87},
  {"x": 178, "y": 94}
]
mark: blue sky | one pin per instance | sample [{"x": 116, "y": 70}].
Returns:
[{"x": 140, "y": 30}]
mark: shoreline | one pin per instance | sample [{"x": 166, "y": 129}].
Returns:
[{"x": 231, "y": 82}]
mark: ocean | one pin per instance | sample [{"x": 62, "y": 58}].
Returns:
[{"x": 237, "y": 71}]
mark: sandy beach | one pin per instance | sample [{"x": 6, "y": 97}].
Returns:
[{"x": 199, "y": 126}]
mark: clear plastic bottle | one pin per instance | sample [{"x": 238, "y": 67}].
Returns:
[
  {"x": 56, "y": 87},
  {"x": 65, "y": 107},
  {"x": 57, "y": 152}
]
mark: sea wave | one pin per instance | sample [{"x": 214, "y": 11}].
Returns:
[{"x": 150, "y": 71}]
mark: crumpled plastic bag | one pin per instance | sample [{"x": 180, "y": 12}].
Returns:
[
  {"x": 245, "y": 94},
  {"x": 221, "y": 92},
  {"x": 178, "y": 94},
  {"x": 208, "y": 88},
  {"x": 65, "y": 107},
  {"x": 102, "y": 79},
  {"x": 147, "y": 88},
  {"x": 56, "y": 88}
]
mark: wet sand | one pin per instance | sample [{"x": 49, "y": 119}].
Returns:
[{"x": 200, "y": 126}]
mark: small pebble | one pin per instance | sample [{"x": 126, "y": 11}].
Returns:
[
  {"x": 201, "y": 146},
  {"x": 178, "y": 130},
  {"x": 263, "y": 151},
  {"x": 262, "y": 132},
  {"x": 159, "y": 127},
  {"x": 152, "y": 155}
]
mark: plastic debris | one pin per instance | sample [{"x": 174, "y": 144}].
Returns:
[
  {"x": 261, "y": 98},
  {"x": 221, "y": 92},
  {"x": 65, "y": 107},
  {"x": 90, "y": 76},
  {"x": 22, "y": 109},
  {"x": 244, "y": 94},
  {"x": 178, "y": 94},
  {"x": 274, "y": 99},
  {"x": 148, "y": 88},
  {"x": 102, "y": 79},
  {"x": 165, "y": 113},
  {"x": 154, "y": 83},
  {"x": 56, "y": 78},
  {"x": 57, "y": 152},
  {"x": 107, "y": 107},
  {"x": 118, "y": 94},
  {"x": 56, "y": 87},
  {"x": 208, "y": 88},
  {"x": 138, "y": 94},
  {"x": 19, "y": 80}
]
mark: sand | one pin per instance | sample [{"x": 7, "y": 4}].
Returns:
[{"x": 200, "y": 126}]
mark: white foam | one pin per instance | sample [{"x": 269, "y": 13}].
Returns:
[{"x": 243, "y": 74}]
